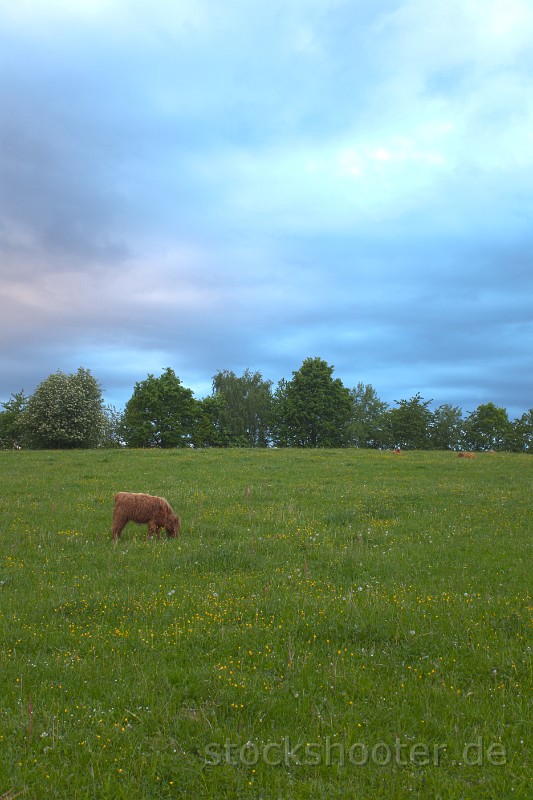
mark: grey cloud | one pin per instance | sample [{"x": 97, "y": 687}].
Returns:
[{"x": 247, "y": 185}]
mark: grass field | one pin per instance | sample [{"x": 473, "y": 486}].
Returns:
[{"x": 330, "y": 624}]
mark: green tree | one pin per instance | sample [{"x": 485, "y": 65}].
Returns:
[
  {"x": 65, "y": 411},
  {"x": 521, "y": 437},
  {"x": 12, "y": 425},
  {"x": 410, "y": 423},
  {"x": 367, "y": 425},
  {"x": 160, "y": 413},
  {"x": 446, "y": 428},
  {"x": 244, "y": 414},
  {"x": 208, "y": 429},
  {"x": 313, "y": 409},
  {"x": 280, "y": 429},
  {"x": 487, "y": 428}
]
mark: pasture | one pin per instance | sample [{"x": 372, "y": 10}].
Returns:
[{"x": 329, "y": 624}]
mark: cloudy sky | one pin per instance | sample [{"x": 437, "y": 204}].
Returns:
[{"x": 232, "y": 184}]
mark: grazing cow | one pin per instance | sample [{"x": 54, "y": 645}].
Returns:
[
  {"x": 144, "y": 508},
  {"x": 466, "y": 455},
  {"x": 397, "y": 450}
]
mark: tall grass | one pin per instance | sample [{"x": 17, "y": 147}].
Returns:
[{"x": 330, "y": 624}]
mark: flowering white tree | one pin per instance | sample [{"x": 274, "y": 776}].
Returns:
[{"x": 65, "y": 411}]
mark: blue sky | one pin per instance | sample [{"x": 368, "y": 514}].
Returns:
[{"x": 228, "y": 185}]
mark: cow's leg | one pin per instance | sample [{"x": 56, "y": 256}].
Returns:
[{"x": 119, "y": 521}]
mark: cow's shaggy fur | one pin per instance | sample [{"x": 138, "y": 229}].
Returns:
[
  {"x": 466, "y": 455},
  {"x": 144, "y": 508}
]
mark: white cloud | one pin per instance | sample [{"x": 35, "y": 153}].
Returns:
[
  {"x": 427, "y": 37},
  {"x": 336, "y": 185}
]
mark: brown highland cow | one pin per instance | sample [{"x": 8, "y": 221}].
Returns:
[
  {"x": 144, "y": 508},
  {"x": 466, "y": 455}
]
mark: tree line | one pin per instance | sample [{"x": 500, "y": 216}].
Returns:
[{"x": 312, "y": 409}]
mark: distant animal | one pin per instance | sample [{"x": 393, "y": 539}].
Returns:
[
  {"x": 396, "y": 450},
  {"x": 144, "y": 508},
  {"x": 466, "y": 455}
]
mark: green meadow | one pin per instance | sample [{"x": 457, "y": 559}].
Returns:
[{"x": 330, "y": 624}]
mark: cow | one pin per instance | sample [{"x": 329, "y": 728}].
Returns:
[{"x": 144, "y": 508}]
